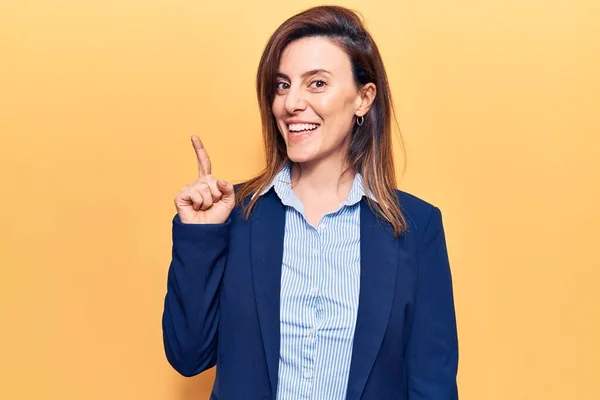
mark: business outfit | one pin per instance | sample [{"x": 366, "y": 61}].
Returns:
[{"x": 342, "y": 310}]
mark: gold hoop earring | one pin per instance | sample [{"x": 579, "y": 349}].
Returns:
[{"x": 360, "y": 120}]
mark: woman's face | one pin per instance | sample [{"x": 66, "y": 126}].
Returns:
[{"x": 316, "y": 100}]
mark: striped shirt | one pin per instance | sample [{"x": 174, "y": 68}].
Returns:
[{"x": 320, "y": 281}]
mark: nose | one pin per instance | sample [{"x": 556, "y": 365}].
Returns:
[{"x": 295, "y": 100}]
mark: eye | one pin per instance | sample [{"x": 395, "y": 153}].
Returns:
[
  {"x": 318, "y": 83},
  {"x": 281, "y": 85}
]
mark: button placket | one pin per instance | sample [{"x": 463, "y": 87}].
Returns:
[{"x": 309, "y": 342}]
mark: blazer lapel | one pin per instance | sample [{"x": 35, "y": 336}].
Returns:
[
  {"x": 379, "y": 259},
  {"x": 267, "y": 234}
]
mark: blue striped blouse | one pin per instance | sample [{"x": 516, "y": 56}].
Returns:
[{"x": 320, "y": 282}]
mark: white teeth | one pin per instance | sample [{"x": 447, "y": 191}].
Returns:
[{"x": 302, "y": 127}]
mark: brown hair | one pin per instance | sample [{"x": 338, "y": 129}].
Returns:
[{"x": 370, "y": 151}]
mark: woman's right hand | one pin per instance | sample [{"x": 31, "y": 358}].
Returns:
[{"x": 206, "y": 200}]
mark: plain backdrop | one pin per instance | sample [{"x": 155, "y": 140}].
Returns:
[{"x": 498, "y": 102}]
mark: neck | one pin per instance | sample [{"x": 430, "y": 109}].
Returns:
[{"x": 324, "y": 177}]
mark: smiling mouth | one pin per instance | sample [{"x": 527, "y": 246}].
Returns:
[{"x": 300, "y": 129}]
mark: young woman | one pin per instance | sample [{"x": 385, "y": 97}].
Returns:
[{"x": 317, "y": 279}]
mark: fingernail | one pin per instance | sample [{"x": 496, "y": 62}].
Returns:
[{"x": 222, "y": 182}]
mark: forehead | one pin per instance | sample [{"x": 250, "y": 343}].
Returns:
[{"x": 313, "y": 53}]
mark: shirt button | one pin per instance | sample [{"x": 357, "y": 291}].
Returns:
[
  {"x": 315, "y": 252},
  {"x": 323, "y": 226},
  {"x": 315, "y": 290},
  {"x": 307, "y": 374}
]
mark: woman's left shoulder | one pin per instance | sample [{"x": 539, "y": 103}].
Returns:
[{"x": 417, "y": 211}]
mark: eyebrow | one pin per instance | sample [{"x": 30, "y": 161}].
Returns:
[{"x": 304, "y": 75}]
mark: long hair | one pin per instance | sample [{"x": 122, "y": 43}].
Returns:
[{"x": 370, "y": 151}]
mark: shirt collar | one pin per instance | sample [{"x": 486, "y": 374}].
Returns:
[{"x": 282, "y": 184}]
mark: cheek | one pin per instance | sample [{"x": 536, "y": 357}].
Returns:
[
  {"x": 277, "y": 107},
  {"x": 278, "y": 111},
  {"x": 335, "y": 105}
]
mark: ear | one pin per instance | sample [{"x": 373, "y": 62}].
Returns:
[{"x": 366, "y": 97}]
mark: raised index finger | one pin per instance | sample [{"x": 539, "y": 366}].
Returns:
[{"x": 202, "y": 156}]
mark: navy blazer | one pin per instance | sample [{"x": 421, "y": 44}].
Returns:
[{"x": 222, "y": 305}]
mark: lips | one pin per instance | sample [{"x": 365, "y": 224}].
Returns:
[
  {"x": 302, "y": 127},
  {"x": 301, "y": 131}
]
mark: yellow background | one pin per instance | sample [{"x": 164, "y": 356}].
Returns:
[{"x": 499, "y": 104}]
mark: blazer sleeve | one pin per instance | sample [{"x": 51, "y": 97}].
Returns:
[
  {"x": 432, "y": 350},
  {"x": 191, "y": 309}
]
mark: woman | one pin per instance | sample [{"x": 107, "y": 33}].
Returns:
[{"x": 316, "y": 279}]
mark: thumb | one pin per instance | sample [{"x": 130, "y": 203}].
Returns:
[{"x": 225, "y": 187}]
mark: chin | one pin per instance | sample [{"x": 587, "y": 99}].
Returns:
[
  {"x": 302, "y": 152},
  {"x": 299, "y": 157}
]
